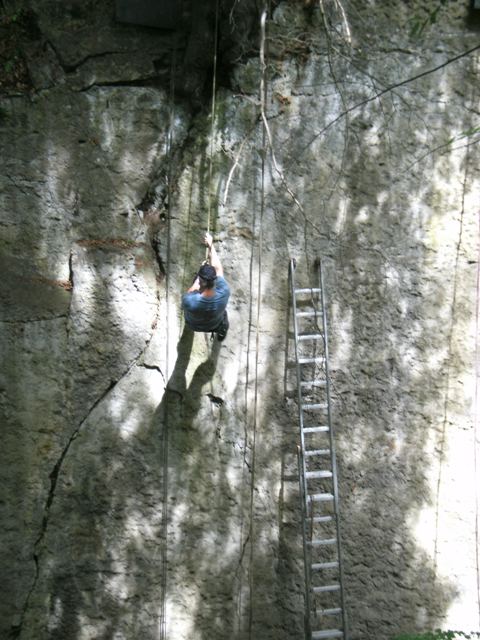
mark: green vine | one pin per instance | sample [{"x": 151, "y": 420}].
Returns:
[
  {"x": 419, "y": 24},
  {"x": 438, "y": 635}
]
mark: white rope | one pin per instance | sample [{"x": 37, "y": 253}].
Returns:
[
  {"x": 164, "y": 521},
  {"x": 476, "y": 411},
  {"x": 263, "y": 89},
  {"x": 212, "y": 116}
]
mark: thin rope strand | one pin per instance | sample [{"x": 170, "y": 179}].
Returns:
[
  {"x": 476, "y": 409},
  {"x": 263, "y": 90},
  {"x": 212, "y": 124},
  {"x": 164, "y": 521}
]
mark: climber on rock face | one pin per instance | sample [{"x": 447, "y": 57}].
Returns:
[{"x": 204, "y": 304}]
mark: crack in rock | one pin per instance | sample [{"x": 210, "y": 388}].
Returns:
[
  {"x": 71, "y": 68},
  {"x": 55, "y": 473},
  {"x": 155, "y": 368},
  {"x": 31, "y": 320}
]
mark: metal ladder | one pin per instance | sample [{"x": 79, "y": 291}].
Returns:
[{"x": 325, "y": 615}]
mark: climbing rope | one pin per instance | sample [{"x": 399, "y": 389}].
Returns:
[
  {"x": 263, "y": 100},
  {"x": 212, "y": 123},
  {"x": 476, "y": 409},
  {"x": 476, "y": 399},
  {"x": 165, "y": 416}
]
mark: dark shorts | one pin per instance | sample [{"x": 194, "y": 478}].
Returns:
[{"x": 222, "y": 328}]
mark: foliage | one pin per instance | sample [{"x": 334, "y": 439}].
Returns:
[
  {"x": 464, "y": 134},
  {"x": 15, "y": 30},
  {"x": 419, "y": 24},
  {"x": 438, "y": 635}
]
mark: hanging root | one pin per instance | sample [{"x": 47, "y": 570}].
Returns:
[
  {"x": 235, "y": 164},
  {"x": 348, "y": 36}
]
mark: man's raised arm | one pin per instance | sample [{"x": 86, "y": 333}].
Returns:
[{"x": 214, "y": 259}]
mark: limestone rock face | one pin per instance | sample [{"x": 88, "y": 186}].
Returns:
[{"x": 149, "y": 482}]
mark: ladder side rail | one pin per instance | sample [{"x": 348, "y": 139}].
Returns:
[
  {"x": 332, "y": 450},
  {"x": 301, "y": 461},
  {"x": 306, "y": 558},
  {"x": 303, "y": 468}
]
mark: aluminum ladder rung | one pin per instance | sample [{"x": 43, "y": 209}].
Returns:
[
  {"x": 313, "y": 383},
  {"x": 319, "y": 566},
  {"x": 314, "y": 406},
  {"x": 334, "y": 611},
  {"x": 316, "y": 452},
  {"x": 322, "y": 543},
  {"x": 308, "y": 314},
  {"x": 320, "y": 429},
  {"x": 318, "y": 474},
  {"x": 308, "y": 290},
  {"x": 311, "y": 360},
  {"x": 319, "y": 519},
  {"x": 320, "y": 497},
  {"x": 328, "y": 633},
  {"x": 328, "y": 588}
]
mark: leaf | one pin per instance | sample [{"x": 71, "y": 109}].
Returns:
[
  {"x": 471, "y": 131},
  {"x": 433, "y": 16}
]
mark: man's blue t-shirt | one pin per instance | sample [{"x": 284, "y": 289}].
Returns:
[{"x": 204, "y": 313}]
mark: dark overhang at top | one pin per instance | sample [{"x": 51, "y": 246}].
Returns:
[{"x": 162, "y": 14}]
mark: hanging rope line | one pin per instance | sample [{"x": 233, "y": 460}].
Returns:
[
  {"x": 476, "y": 410},
  {"x": 476, "y": 401},
  {"x": 263, "y": 100},
  {"x": 247, "y": 466},
  {"x": 165, "y": 439},
  {"x": 442, "y": 441},
  {"x": 212, "y": 123}
]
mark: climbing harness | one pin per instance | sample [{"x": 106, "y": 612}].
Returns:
[{"x": 325, "y": 616}]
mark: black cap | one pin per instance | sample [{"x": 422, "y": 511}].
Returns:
[{"x": 207, "y": 273}]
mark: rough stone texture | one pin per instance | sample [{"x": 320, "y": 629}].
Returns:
[{"x": 149, "y": 485}]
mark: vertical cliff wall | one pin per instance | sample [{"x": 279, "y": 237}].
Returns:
[{"x": 149, "y": 484}]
